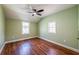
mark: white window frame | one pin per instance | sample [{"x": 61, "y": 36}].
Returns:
[
  {"x": 52, "y": 27},
  {"x": 25, "y": 27}
]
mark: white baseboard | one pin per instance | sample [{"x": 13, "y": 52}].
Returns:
[
  {"x": 14, "y": 41},
  {"x": 73, "y": 49},
  {"x": 19, "y": 39},
  {"x": 2, "y": 47}
]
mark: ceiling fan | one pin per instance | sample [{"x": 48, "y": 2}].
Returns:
[{"x": 35, "y": 11}]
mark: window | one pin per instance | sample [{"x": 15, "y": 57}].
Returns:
[
  {"x": 52, "y": 27},
  {"x": 25, "y": 28}
]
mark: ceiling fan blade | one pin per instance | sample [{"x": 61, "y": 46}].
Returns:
[
  {"x": 32, "y": 14},
  {"x": 34, "y": 10},
  {"x": 39, "y": 14},
  {"x": 40, "y": 10}
]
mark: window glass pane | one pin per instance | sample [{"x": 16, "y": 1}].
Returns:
[
  {"x": 52, "y": 24},
  {"x": 25, "y": 24},
  {"x": 50, "y": 30},
  {"x": 52, "y": 27},
  {"x": 25, "y": 28},
  {"x": 54, "y": 30}
]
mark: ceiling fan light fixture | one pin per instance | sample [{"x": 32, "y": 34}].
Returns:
[{"x": 34, "y": 13}]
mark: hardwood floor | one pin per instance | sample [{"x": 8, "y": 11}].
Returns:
[{"x": 35, "y": 46}]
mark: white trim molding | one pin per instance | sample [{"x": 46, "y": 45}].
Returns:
[
  {"x": 73, "y": 49},
  {"x": 2, "y": 47},
  {"x": 14, "y": 41},
  {"x": 19, "y": 39}
]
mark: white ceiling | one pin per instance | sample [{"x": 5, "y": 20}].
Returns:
[{"x": 20, "y": 11}]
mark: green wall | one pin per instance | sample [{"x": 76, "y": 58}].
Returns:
[
  {"x": 14, "y": 30},
  {"x": 2, "y": 34},
  {"x": 66, "y": 27},
  {"x": 78, "y": 26}
]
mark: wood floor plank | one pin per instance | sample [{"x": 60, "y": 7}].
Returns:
[{"x": 35, "y": 46}]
